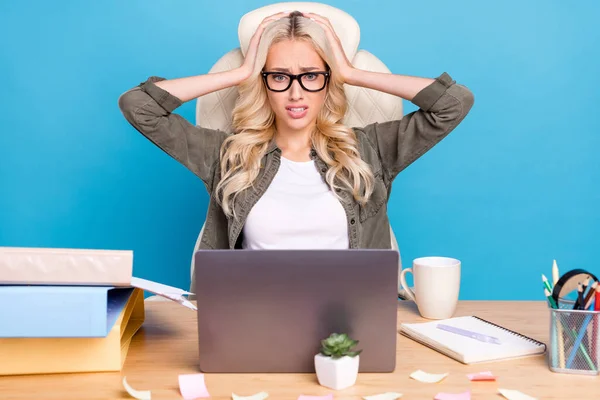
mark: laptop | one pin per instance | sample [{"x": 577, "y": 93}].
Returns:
[{"x": 266, "y": 311}]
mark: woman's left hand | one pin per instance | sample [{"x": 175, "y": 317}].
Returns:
[{"x": 344, "y": 67}]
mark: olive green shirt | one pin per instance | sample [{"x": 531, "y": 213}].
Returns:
[{"x": 388, "y": 148}]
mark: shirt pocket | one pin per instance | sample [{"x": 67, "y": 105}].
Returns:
[{"x": 377, "y": 199}]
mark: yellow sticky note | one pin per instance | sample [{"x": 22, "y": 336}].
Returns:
[
  {"x": 138, "y": 394},
  {"x": 515, "y": 395},
  {"x": 256, "y": 396},
  {"x": 422, "y": 376}
]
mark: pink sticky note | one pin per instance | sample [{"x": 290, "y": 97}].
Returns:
[
  {"x": 453, "y": 396},
  {"x": 192, "y": 386},
  {"x": 482, "y": 376},
  {"x": 328, "y": 397}
]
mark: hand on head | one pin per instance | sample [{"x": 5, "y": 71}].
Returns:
[
  {"x": 343, "y": 66},
  {"x": 250, "y": 59}
]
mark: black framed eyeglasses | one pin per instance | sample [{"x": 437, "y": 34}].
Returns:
[{"x": 313, "y": 81}]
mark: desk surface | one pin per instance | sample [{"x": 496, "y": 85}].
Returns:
[{"x": 166, "y": 346}]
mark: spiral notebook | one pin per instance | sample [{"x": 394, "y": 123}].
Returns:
[{"x": 468, "y": 350}]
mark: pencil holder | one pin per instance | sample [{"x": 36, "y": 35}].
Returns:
[{"x": 574, "y": 340}]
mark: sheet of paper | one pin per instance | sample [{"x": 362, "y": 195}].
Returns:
[
  {"x": 384, "y": 396},
  {"x": 482, "y": 376},
  {"x": 156, "y": 287},
  {"x": 181, "y": 300},
  {"x": 257, "y": 396},
  {"x": 453, "y": 396},
  {"x": 192, "y": 386},
  {"x": 515, "y": 395},
  {"x": 166, "y": 291},
  {"x": 138, "y": 394},
  {"x": 422, "y": 376},
  {"x": 327, "y": 397}
]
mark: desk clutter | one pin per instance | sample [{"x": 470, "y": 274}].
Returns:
[
  {"x": 574, "y": 303},
  {"x": 193, "y": 386},
  {"x": 73, "y": 310},
  {"x": 70, "y": 310}
]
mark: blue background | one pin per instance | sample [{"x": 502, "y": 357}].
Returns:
[{"x": 512, "y": 188}]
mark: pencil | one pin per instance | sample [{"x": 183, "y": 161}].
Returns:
[
  {"x": 546, "y": 283},
  {"x": 590, "y": 296},
  {"x": 558, "y": 353},
  {"x": 584, "y": 303},
  {"x": 579, "y": 345},
  {"x": 578, "y": 303},
  {"x": 561, "y": 344},
  {"x": 596, "y": 354},
  {"x": 586, "y": 283},
  {"x": 550, "y": 299},
  {"x": 573, "y": 334},
  {"x": 554, "y": 272}
]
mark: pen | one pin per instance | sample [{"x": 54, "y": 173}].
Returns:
[
  {"x": 576, "y": 345},
  {"x": 473, "y": 335}
]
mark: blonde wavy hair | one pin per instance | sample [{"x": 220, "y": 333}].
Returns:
[{"x": 254, "y": 128}]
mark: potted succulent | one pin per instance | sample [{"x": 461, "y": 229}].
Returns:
[{"x": 336, "y": 364}]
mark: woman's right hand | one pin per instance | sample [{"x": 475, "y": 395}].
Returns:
[{"x": 247, "y": 68}]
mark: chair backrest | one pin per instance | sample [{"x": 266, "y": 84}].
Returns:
[{"x": 365, "y": 106}]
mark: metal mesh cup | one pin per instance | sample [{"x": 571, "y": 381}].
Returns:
[{"x": 574, "y": 340}]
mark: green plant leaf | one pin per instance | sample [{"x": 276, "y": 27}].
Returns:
[
  {"x": 338, "y": 345},
  {"x": 354, "y": 353}
]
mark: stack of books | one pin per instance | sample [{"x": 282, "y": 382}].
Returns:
[{"x": 69, "y": 310}]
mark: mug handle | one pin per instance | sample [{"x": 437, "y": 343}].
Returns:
[{"x": 404, "y": 285}]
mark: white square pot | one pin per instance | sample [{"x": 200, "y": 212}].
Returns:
[{"x": 336, "y": 374}]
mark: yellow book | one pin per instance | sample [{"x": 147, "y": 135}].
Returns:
[{"x": 21, "y": 356}]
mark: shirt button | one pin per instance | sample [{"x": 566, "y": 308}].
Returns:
[
  {"x": 352, "y": 221},
  {"x": 323, "y": 169},
  {"x": 313, "y": 153}
]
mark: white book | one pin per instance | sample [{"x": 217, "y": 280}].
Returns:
[
  {"x": 469, "y": 350},
  {"x": 57, "y": 266},
  {"x": 33, "y": 266}
]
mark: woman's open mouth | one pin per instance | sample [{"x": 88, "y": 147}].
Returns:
[{"x": 297, "y": 112}]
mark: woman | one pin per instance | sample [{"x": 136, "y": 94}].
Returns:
[{"x": 290, "y": 175}]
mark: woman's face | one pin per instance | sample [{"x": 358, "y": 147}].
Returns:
[{"x": 295, "y": 108}]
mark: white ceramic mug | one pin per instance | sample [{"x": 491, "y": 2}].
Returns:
[{"x": 436, "y": 283}]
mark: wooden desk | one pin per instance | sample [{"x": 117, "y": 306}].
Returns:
[{"x": 166, "y": 346}]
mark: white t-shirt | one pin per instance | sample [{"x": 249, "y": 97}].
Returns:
[{"x": 297, "y": 211}]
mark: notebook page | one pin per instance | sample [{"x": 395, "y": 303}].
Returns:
[{"x": 512, "y": 345}]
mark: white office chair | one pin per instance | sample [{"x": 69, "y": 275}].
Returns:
[{"x": 365, "y": 106}]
